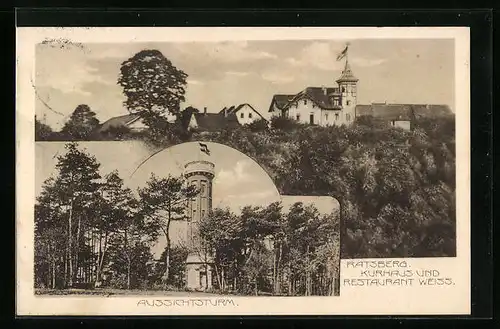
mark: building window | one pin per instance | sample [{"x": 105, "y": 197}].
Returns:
[
  {"x": 305, "y": 101},
  {"x": 194, "y": 213},
  {"x": 348, "y": 102},
  {"x": 202, "y": 213},
  {"x": 336, "y": 116},
  {"x": 298, "y": 117},
  {"x": 326, "y": 117},
  {"x": 250, "y": 115},
  {"x": 202, "y": 191},
  {"x": 242, "y": 115},
  {"x": 343, "y": 89},
  {"x": 348, "y": 117}
]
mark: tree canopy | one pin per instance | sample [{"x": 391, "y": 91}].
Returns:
[
  {"x": 152, "y": 83},
  {"x": 81, "y": 124}
]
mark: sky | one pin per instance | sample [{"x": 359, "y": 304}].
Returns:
[
  {"x": 239, "y": 180},
  {"x": 231, "y": 73}
]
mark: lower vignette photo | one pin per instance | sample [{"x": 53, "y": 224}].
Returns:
[{"x": 194, "y": 219}]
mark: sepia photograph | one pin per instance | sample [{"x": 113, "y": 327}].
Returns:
[
  {"x": 244, "y": 165},
  {"x": 198, "y": 219}
]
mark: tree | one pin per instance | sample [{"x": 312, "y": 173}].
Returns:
[
  {"x": 43, "y": 132},
  {"x": 177, "y": 263},
  {"x": 162, "y": 201},
  {"x": 258, "y": 125},
  {"x": 81, "y": 123},
  {"x": 186, "y": 115},
  {"x": 65, "y": 203},
  {"x": 152, "y": 83},
  {"x": 222, "y": 231},
  {"x": 119, "y": 225}
]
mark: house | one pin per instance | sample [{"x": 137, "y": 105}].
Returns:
[
  {"x": 326, "y": 106},
  {"x": 132, "y": 121},
  {"x": 245, "y": 113},
  {"x": 322, "y": 106},
  {"x": 210, "y": 122},
  {"x": 402, "y": 115}
]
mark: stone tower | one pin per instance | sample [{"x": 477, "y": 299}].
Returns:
[
  {"x": 348, "y": 85},
  {"x": 198, "y": 265}
]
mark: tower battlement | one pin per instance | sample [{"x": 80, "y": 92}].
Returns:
[{"x": 201, "y": 167}]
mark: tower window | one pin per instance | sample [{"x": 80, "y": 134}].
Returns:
[
  {"x": 242, "y": 115},
  {"x": 336, "y": 116},
  {"x": 343, "y": 89},
  {"x": 202, "y": 213},
  {"x": 348, "y": 102},
  {"x": 305, "y": 101},
  {"x": 298, "y": 117}
]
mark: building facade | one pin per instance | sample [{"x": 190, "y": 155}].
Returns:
[
  {"x": 322, "y": 106},
  {"x": 244, "y": 113},
  {"x": 199, "y": 174}
]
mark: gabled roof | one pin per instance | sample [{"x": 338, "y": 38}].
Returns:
[
  {"x": 119, "y": 121},
  {"x": 404, "y": 112},
  {"x": 281, "y": 101},
  {"x": 321, "y": 96},
  {"x": 235, "y": 109},
  {"x": 215, "y": 121}
]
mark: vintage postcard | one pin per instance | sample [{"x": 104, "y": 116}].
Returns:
[{"x": 243, "y": 171}]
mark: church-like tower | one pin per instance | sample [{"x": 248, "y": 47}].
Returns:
[
  {"x": 198, "y": 265},
  {"x": 348, "y": 85}
]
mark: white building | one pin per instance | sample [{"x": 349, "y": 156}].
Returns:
[
  {"x": 326, "y": 106},
  {"x": 245, "y": 113},
  {"x": 322, "y": 106}
]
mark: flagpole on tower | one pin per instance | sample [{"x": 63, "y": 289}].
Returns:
[{"x": 347, "y": 52}]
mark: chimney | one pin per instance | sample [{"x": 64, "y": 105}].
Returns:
[{"x": 205, "y": 110}]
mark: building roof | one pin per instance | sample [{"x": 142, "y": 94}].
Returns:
[
  {"x": 347, "y": 75},
  {"x": 321, "y": 96},
  {"x": 404, "y": 112},
  {"x": 281, "y": 101},
  {"x": 215, "y": 121},
  {"x": 119, "y": 121},
  {"x": 431, "y": 110},
  {"x": 235, "y": 109}
]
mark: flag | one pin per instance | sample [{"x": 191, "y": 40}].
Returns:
[
  {"x": 342, "y": 54},
  {"x": 204, "y": 148}
]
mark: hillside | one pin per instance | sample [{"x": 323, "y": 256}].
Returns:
[{"x": 396, "y": 188}]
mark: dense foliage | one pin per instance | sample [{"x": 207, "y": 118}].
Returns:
[
  {"x": 80, "y": 126},
  {"x": 152, "y": 83},
  {"x": 266, "y": 250},
  {"x": 91, "y": 231},
  {"x": 396, "y": 187}
]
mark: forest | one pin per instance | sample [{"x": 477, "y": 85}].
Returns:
[{"x": 93, "y": 232}]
